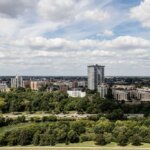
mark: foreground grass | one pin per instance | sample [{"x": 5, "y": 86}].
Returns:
[{"x": 81, "y": 146}]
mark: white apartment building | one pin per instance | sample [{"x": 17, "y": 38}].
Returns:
[
  {"x": 76, "y": 93},
  {"x": 4, "y": 87},
  {"x": 17, "y": 82}
]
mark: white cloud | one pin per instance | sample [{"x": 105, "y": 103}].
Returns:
[
  {"x": 93, "y": 15},
  {"x": 56, "y": 10},
  {"x": 106, "y": 33},
  {"x": 142, "y": 13}
]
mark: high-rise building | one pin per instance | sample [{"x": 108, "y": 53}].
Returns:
[
  {"x": 95, "y": 76},
  {"x": 17, "y": 82}
]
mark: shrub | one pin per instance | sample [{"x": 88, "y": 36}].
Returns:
[
  {"x": 136, "y": 140},
  {"x": 100, "y": 139},
  {"x": 122, "y": 139}
]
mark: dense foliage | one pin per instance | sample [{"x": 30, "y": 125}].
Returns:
[
  {"x": 107, "y": 125},
  {"x": 102, "y": 132},
  {"x": 21, "y": 100}
]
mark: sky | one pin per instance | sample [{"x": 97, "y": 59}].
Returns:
[{"x": 63, "y": 37}]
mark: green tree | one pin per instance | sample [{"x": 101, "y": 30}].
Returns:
[
  {"x": 36, "y": 139},
  {"x": 25, "y": 137},
  {"x": 122, "y": 139},
  {"x": 136, "y": 140},
  {"x": 73, "y": 136},
  {"x": 100, "y": 139}
]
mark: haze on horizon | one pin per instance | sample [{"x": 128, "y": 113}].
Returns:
[{"x": 47, "y": 37}]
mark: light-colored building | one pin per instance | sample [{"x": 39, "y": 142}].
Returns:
[
  {"x": 103, "y": 90},
  {"x": 36, "y": 85},
  {"x": 95, "y": 76},
  {"x": 17, "y": 82},
  {"x": 124, "y": 87},
  {"x": 132, "y": 95},
  {"x": 81, "y": 83},
  {"x": 4, "y": 87},
  {"x": 76, "y": 93},
  {"x": 143, "y": 95},
  {"x": 120, "y": 95}
]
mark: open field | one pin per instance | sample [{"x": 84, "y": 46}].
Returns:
[{"x": 80, "y": 146}]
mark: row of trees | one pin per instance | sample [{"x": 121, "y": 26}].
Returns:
[
  {"x": 57, "y": 102},
  {"x": 102, "y": 132}
]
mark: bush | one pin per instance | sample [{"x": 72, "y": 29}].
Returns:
[
  {"x": 136, "y": 140},
  {"x": 100, "y": 139},
  {"x": 36, "y": 139},
  {"x": 73, "y": 137},
  {"x": 35, "y": 119},
  {"x": 84, "y": 138},
  {"x": 108, "y": 137},
  {"x": 49, "y": 118},
  {"x": 25, "y": 137},
  {"x": 122, "y": 139}
]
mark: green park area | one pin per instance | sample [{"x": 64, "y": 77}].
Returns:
[{"x": 39, "y": 120}]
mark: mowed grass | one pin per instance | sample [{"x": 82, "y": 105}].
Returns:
[{"x": 81, "y": 146}]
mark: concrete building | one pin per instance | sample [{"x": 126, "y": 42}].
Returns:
[
  {"x": 76, "y": 93},
  {"x": 143, "y": 95},
  {"x": 36, "y": 85},
  {"x": 132, "y": 95},
  {"x": 81, "y": 83},
  {"x": 17, "y": 82},
  {"x": 120, "y": 95},
  {"x": 103, "y": 90},
  {"x": 95, "y": 76},
  {"x": 4, "y": 87}
]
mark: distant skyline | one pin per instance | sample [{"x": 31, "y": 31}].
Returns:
[{"x": 62, "y": 37}]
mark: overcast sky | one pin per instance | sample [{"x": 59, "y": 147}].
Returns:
[{"x": 62, "y": 37}]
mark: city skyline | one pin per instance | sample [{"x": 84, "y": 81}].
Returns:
[{"x": 61, "y": 38}]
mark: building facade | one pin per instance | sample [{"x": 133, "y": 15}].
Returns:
[
  {"x": 17, "y": 82},
  {"x": 76, "y": 93},
  {"x": 95, "y": 76},
  {"x": 4, "y": 87},
  {"x": 103, "y": 90}
]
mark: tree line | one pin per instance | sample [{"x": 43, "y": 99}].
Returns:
[
  {"x": 21, "y": 100},
  {"x": 103, "y": 131}
]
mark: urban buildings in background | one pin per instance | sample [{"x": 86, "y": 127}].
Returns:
[
  {"x": 17, "y": 82},
  {"x": 123, "y": 89},
  {"x": 95, "y": 76}
]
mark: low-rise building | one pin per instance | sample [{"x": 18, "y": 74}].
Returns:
[
  {"x": 76, "y": 93},
  {"x": 36, "y": 85},
  {"x": 133, "y": 95},
  {"x": 120, "y": 95},
  {"x": 4, "y": 87}
]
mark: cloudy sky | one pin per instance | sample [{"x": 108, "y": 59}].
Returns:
[{"x": 62, "y": 37}]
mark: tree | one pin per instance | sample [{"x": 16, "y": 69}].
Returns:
[
  {"x": 73, "y": 136},
  {"x": 136, "y": 140},
  {"x": 100, "y": 139},
  {"x": 108, "y": 137},
  {"x": 79, "y": 127},
  {"x": 122, "y": 139},
  {"x": 2, "y": 103},
  {"x": 103, "y": 125},
  {"x": 25, "y": 137},
  {"x": 36, "y": 139}
]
